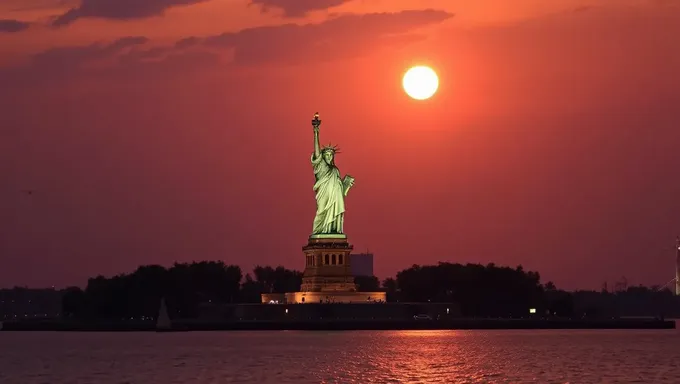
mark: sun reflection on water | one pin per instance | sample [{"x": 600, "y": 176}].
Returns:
[{"x": 362, "y": 357}]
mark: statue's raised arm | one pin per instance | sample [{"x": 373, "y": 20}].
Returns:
[{"x": 316, "y": 123}]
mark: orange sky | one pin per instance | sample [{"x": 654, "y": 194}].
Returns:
[{"x": 178, "y": 132}]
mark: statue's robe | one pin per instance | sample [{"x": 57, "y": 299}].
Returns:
[{"x": 330, "y": 199}]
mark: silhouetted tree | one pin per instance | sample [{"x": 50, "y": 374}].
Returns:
[
  {"x": 250, "y": 290},
  {"x": 367, "y": 283},
  {"x": 277, "y": 280},
  {"x": 73, "y": 302},
  {"x": 479, "y": 290},
  {"x": 138, "y": 294},
  {"x": 558, "y": 303}
]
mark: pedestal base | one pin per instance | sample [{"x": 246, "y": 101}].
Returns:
[
  {"x": 327, "y": 265},
  {"x": 335, "y": 297},
  {"x": 328, "y": 275}
]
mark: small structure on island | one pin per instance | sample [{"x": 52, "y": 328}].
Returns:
[
  {"x": 163, "y": 322},
  {"x": 328, "y": 274},
  {"x": 362, "y": 264}
]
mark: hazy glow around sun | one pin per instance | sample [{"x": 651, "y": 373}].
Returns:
[{"x": 420, "y": 82}]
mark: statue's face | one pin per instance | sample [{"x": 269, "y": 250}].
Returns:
[{"x": 328, "y": 156}]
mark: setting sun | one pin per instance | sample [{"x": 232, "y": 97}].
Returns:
[{"x": 420, "y": 82}]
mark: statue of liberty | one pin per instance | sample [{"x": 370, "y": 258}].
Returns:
[{"x": 329, "y": 187}]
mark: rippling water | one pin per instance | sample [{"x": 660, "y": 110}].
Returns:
[{"x": 342, "y": 357}]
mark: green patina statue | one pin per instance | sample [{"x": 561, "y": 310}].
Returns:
[{"x": 330, "y": 188}]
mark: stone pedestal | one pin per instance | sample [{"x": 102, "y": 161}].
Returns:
[
  {"x": 328, "y": 275},
  {"x": 327, "y": 265}
]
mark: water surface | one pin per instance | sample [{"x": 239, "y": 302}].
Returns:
[{"x": 546, "y": 356}]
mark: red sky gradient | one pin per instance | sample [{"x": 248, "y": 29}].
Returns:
[{"x": 180, "y": 131}]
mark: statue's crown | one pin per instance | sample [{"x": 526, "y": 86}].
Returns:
[{"x": 330, "y": 147}]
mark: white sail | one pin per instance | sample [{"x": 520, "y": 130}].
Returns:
[{"x": 163, "y": 321}]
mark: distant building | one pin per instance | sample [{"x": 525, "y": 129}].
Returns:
[
  {"x": 26, "y": 303},
  {"x": 361, "y": 264}
]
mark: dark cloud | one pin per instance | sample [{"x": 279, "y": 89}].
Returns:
[
  {"x": 119, "y": 9},
  {"x": 11, "y": 26},
  {"x": 72, "y": 57},
  {"x": 59, "y": 65},
  {"x": 341, "y": 37},
  {"x": 297, "y": 8},
  {"x": 187, "y": 42},
  {"x": 121, "y": 61}
]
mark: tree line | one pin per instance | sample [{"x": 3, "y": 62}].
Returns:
[{"x": 478, "y": 290}]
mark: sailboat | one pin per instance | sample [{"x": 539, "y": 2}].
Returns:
[{"x": 163, "y": 322}]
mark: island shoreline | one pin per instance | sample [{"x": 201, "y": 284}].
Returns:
[{"x": 345, "y": 325}]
